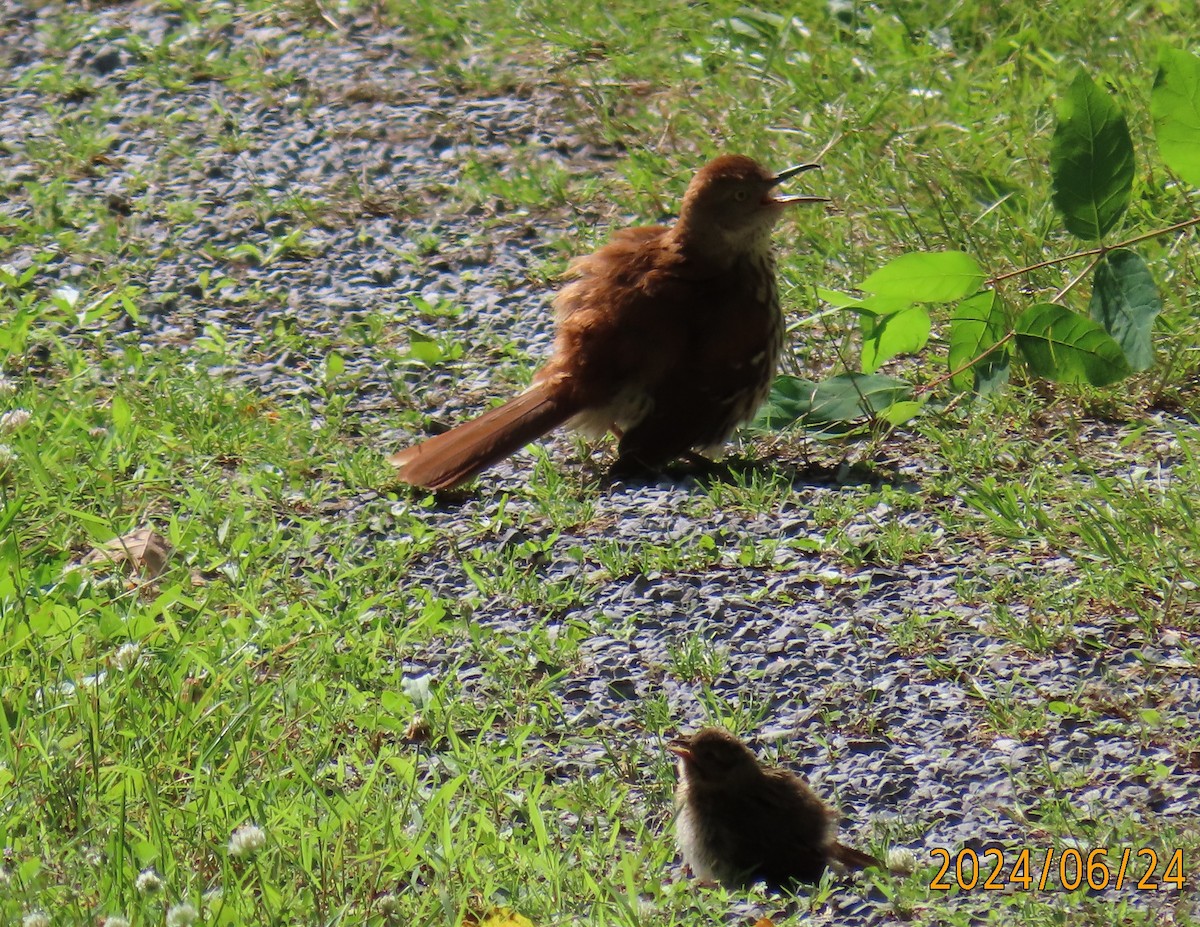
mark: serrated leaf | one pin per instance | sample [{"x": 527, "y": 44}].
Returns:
[
  {"x": 926, "y": 277},
  {"x": 1175, "y": 107},
  {"x": 1091, "y": 160},
  {"x": 978, "y": 323},
  {"x": 886, "y": 336},
  {"x": 1066, "y": 347},
  {"x": 1125, "y": 301}
]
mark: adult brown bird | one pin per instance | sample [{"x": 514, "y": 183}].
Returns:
[
  {"x": 667, "y": 336},
  {"x": 739, "y": 822}
]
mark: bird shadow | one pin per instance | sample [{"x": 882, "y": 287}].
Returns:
[{"x": 740, "y": 471}]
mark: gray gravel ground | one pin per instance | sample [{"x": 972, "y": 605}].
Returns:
[{"x": 893, "y": 731}]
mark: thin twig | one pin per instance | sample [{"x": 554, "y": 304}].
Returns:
[{"x": 1091, "y": 252}]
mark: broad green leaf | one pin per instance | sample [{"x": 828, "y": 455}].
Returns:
[
  {"x": 849, "y": 397},
  {"x": 425, "y": 349},
  {"x": 1175, "y": 106},
  {"x": 900, "y": 412},
  {"x": 1066, "y": 347},
  {"x": 978, "y": 323},
  {"x": 868, "y": 305},
  {"x": 789, "y": 400},
  {"x": 837, "y": 298},
  {"x": 832, "y": 404},
  {"x": 886, "y": 336},
  {"x": 882, "y": 305},
  {"x": 1091, "y": 160},
  {"x": 1125, "y": 301},
  {"x": 926, "y": 277}
]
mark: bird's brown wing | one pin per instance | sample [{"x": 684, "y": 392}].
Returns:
[{"x": 622, "y": 320}]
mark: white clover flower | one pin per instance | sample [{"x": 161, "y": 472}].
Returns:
[
  {"x": 148, "y": 882},
  {"x": 116, "y": 920},
  {"x": 7, "y": 387},
  {"x": 15, "y": 419},
  {"x": 7, "y": 456},
  {"x": 247, "y": 840},
  {"x": 36, "y": 919},
  {"x": 126, "y": 656},
  {"x": 902, "y": 860},
  {"x": 183, "y": 914}
]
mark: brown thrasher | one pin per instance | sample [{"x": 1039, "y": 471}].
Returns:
[
  {"x": 667, "y": 336},
  {"x": 739, "y": 822}
]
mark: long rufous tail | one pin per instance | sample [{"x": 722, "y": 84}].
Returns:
[
  {"x": 852, "y": 858},
  {"x": 446, "y": 460}
]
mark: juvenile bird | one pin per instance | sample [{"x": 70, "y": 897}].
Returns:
[
  {"x": 667, "y": 336},
  {"x": 739, "y": 822}
]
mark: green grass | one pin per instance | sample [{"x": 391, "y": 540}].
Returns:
[{"x": 278, "y": 671}]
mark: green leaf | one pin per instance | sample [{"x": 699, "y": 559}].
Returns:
[
  {"x": 835, "y": 298},
  {"x": 900, "y": 412},
  {"x": 122, "y": 415},
  {"x": 789, "y": 400},
  {"x": 1066, "y": 347},
  {"x": 1125, "y": 301},
  {"x": 829, "y": 406},
  {"x": 1091, "y": 160},
  {"x": 423, "y": 348},
  {"x": 886, "y": 336},
  {"x": 926, "y": 277},
  {"x": 978, "y": 323},
  {"x": 849, "y": 397},
  {"x": 1175, "y": 107}
]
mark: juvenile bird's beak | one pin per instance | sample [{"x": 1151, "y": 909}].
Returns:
[
  {"x": 788, "y": 199},
  {"x": 681, "y": 747}
]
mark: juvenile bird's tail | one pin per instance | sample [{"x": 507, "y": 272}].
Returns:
[
  {"x": 852, "y": 858},
  {"x": 446, "y": 460}
]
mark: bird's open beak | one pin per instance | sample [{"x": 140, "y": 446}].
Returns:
[
  {"x": 785, "y": 199},
  {"x": 681, "y": 748}
]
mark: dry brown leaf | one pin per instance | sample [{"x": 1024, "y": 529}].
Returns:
[
  {"x": 142, "y": 550},
  {"x": 764, "y": 922}
]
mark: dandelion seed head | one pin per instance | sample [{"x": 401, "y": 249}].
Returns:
[{"x": 36, "y": 919}]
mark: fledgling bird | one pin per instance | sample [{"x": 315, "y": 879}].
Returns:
[
  {"x": 739, "y": 822},
  {"x": 667, "y": 336}
]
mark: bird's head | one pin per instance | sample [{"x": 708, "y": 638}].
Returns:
[
  {"x": 713, "y": 757},
  {"x": 732, "y": 204}
]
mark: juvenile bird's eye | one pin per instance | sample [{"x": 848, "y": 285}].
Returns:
[{"x": 740, "y": 195}]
